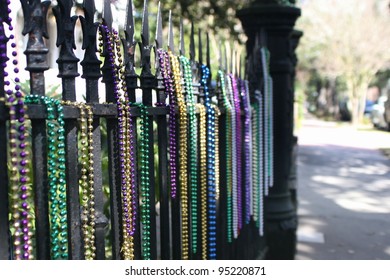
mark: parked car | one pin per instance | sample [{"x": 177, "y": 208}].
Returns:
[
  {"x": 369, "y": 107},
  {"x": 345, "y": 109},
  {"x": 378, "y": 113}
]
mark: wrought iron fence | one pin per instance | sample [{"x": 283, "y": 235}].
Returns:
[{"x": 187, "y": 164}]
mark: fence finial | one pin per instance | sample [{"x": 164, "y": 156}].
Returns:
[
  {"x": 145, "y": 43},
  {"x": 107, "y": 14},
  {"x": 67, "y": 61},
  {"x": 220, "y": 56},
  {"x": 263, "y": 38},
  {"x": 239, "y": 64},
  {"x": 225, "y": 57},
  {"x": 208, "y": 50},
  {"x": 171, "y": 45},
  {"x": 159, "y": 38},
  {"x": 233, "y": 67},
  {"x": 208, "y": 64},
  {"x": 128, "y": 42},
  {"x": 192, "y": 42},
  {"x": 4, "y": 12},
  {"x": 88, "y": 25},
  {"x": 65, "y": 23},
  {"x": 200, "y": 47},
  {"x": 145, "y": 25},
  {"x": 32, "y": 10},
  {"x": 129, "y": 27},
  {"x": 182, "y": 47},
  {"x": 237, "y": 50}
]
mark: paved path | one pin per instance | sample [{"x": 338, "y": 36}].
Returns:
[{"x": 343, "y": 193}]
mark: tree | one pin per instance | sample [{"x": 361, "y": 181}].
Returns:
[{"x": 346, "y": 39}]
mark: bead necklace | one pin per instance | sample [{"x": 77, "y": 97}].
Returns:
[
  {"x": 176, "y": 75},
  {"x": 271, "y": 124},
  {"x": 234, "y": 157},
  {"x": 86, "y": 158},
  {"x": 258, "y": 161},
  {"x": 86, "y": 180},
  {"x": 211, "y": 186},
  {"x": 144, "y": 154},
  {"x": 229, "y": 159},
  {"x": 126, "y": 142},
  {"x": 237, "y": 107},
  {"x": 20, "y": 193},
  {"x": 217, "y": 163},
  {"x": 56, "y": 174},
  {"x": 247, "y": 148},
  {"x": 129, "y": 192},
  {"x": 255, "y": 160},
  {"x": 193, "y": 150},
  {"x": 165, "y": 71},
  {"x": 268, "y": 118},
  {"x": 203, "y": 177}
]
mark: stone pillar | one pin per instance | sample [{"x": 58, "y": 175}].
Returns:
[
  {"x": 276, "y": 21},
  {"x": 294, "y": 41}
]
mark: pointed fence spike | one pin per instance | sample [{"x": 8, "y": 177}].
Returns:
[
  {"x": 159, "y": 37},
  {"x": 233, "y": 63},
  {"x": 200, "y": 48},
  {"x": 145, "y": 25},
  {"x": 192, "y": 43},
  {"x": 89, "y": 10},
  {"x": 128, "y": 42},
  {"x": 4, "y": 12},
  {"x": 239, "y": 63},
  {"x": 226, "y": 60},
  {"x": 257, "y": 41},
  {"x": 171, "y": 44},
  {"x": 129, "y": 27},
  {"x": 107, "y": 14},
  {"x": 208, "y": 50},
  {"x": 65, "y": 25},
  {"x": 182, "y": 47},
  {"x": 66, "y": 6},
  {"x": 220, "y": 60},
  {"x": 262, "y": 38},
  {"x": 35, "y": 16}
]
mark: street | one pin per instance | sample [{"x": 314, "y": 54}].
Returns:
[{"x": 343, "y": 192}]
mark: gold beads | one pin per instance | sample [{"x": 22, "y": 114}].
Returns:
[
  {"x": 203, "y": 177},
  {"x": 86, "y": 181},
  {"x": 183, "y": 177}
]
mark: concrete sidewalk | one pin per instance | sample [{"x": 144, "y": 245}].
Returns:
[{"x": 343, "y": 192}]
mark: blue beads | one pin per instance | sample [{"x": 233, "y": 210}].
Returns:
[{"x": 211, "y": 175}]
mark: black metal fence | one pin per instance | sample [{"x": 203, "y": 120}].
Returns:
[{"x": 165, "y": 175}]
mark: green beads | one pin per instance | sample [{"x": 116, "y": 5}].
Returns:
[
  {"x": 56, "y": 175},
  {"x": 228, "y": 150},
  {"x": 144, "y": 153},
  {"x": 193, "y": 148}
]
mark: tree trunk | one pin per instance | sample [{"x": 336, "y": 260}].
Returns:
[
  {"x": 358, "y": 94},
  {"x": 363, "y": 96},
  {"x": 355, "y": 114}
]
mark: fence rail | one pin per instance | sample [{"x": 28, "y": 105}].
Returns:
[{"x": 179, "y": 173}]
